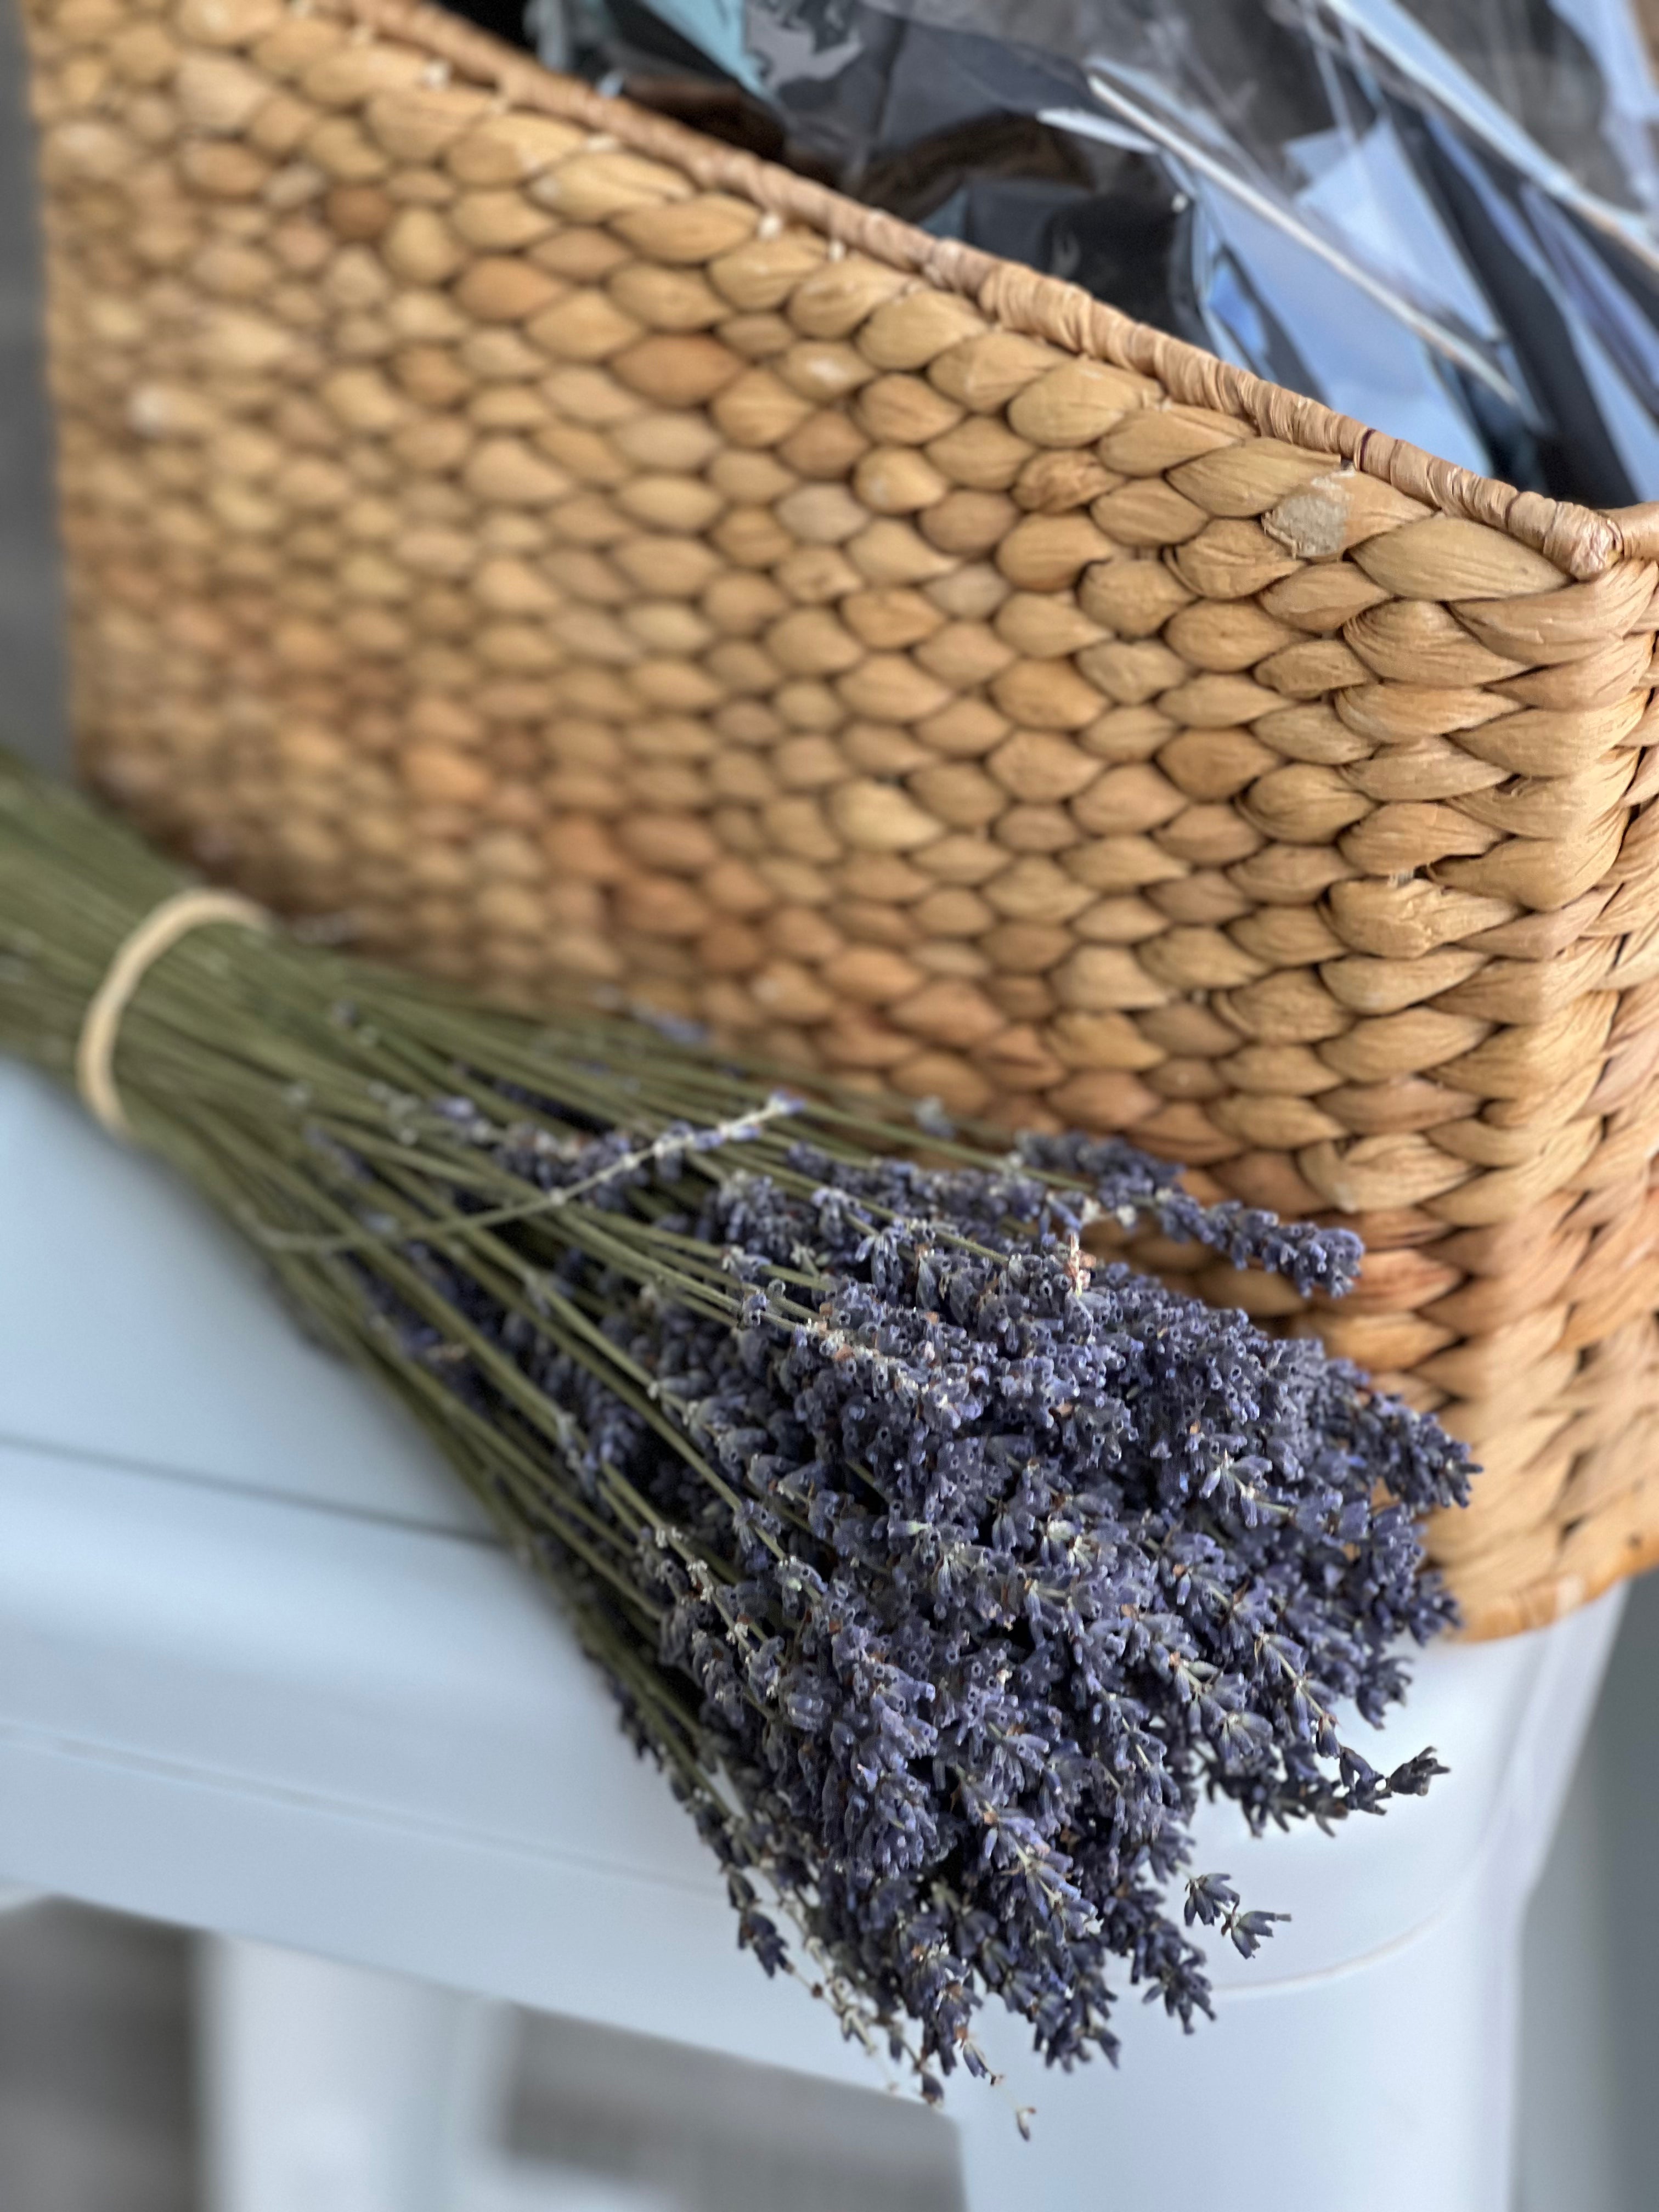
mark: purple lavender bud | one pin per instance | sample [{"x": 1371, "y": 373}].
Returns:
[{"x": 971, "y": 1563}]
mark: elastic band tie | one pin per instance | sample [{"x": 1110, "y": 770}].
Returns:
[{"x": 101, "y": 1026}]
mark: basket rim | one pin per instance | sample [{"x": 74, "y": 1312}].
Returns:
[{"x": 1584, "y": 543}]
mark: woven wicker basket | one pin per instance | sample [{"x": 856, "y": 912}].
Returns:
[{"x": 574, "y": 548}]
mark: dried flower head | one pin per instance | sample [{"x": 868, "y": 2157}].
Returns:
[{"x": 984, "y": 1558}]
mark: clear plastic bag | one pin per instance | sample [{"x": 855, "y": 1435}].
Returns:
[{"x": 1440, "y": 216}]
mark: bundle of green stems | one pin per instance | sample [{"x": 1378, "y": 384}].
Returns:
[{"x": 941, "y": 1568}]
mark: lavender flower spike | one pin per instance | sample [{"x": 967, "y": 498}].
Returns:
[{"x": 972, "y": 1562}]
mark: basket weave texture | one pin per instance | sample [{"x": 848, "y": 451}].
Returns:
[{"x": 575, "y": 549}]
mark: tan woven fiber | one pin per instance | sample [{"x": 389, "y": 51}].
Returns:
[{"x": 572, "y": 548}]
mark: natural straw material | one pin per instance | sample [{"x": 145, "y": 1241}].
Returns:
[
  {"x": 568, "y": 547},
  {"x": 158, "y": 933}
]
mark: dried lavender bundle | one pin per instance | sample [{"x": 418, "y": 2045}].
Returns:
[{"x": 941, "y": 1565}]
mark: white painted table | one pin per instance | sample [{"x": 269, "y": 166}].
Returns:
[{"x": 263, "y": 1673}]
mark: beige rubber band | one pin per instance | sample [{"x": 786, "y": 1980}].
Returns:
[{"x": 100, "y": 1026}]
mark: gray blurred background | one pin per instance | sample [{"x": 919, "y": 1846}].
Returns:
[{"x": 95, "y": 2071}]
